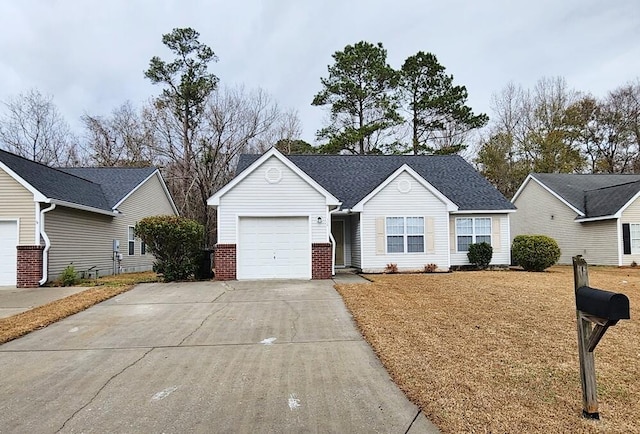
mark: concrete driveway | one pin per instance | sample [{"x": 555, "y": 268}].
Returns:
[{"x": 247, "y": 357}]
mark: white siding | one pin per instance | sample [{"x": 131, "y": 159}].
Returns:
[
  {"x": 256, "y": 196},
  {"x": 539, "y": 212},
  {"x": 390, "y": 202},
  {"x": 148, "y": 200},
  {"x": 16, "y": 203},
  {"x": 501, "y": 246},
  {"x": 355, "y": 241},
  {"x": 631, "y": 215}
]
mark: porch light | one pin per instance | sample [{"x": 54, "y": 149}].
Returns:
[{"x": 319, "y": 220}]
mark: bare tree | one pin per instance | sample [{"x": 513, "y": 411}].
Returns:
[
  {"x": 120, "y": 139},
  {"x": 234, "y": 121},
  {"x": 531, "y": 131},
  {"x": 31, "y": 126}
]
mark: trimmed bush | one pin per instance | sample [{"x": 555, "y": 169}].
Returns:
[
  {"x": 430, "y": 268},
  {"x": 480, "y": 254},
  {"x": 391, "y": 268},
  {"x": 534, "y": 252},
  {"x": 176, "y": 243}
]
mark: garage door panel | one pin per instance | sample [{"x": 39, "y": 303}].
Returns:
[
  {"x": 274, "y": 247},
  {"x": 8, "y": 253}
]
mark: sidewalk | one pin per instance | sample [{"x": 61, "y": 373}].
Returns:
[{"x": 17, "y": 300}]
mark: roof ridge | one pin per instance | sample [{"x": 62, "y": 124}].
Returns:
[
  {"x": 57, "y": 169},
  {"x": 615, "y": 185}
]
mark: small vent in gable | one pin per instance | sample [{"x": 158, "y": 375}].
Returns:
[
  {"x": 273, "y": 175},
  {"x": 404, "y": 186}
]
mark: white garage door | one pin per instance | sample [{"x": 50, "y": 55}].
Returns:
[
  {"x": 274, "y": 248},
  {"x": 8, "y": 255}
]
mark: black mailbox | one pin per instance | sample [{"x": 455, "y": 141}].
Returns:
[{"x": 603, "y": 304}]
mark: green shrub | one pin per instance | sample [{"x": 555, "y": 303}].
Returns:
[
  {"x": 480, "y": 254},
  {"x": 176, "y": 243},
  {"x": 534, "y": 252},
  {"x": 69, "y": 277}
]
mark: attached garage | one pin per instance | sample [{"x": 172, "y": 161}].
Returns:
[
  {"x": 274, "y": 247},
  {"x": 8, "y": 254}
]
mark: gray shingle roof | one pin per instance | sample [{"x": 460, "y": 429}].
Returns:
[
  {"x": 116, "y": 182},
  {"x": 100, "y": 188},
  {"x": 594, "y": 195},
  {"x": 351, "y": 177}
]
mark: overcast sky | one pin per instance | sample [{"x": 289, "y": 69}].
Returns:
[{"x": 91, "y": 55}]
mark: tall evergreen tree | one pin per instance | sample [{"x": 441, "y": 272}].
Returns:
[
  {"x": 439, "y": 116},
  {"x": 360, "y": 91}
]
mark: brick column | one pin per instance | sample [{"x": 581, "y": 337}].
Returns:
[
  {"x": 29, "y": 270},
  {"x": 321, "y": 261},
  {"x": 224, "y": 259}
]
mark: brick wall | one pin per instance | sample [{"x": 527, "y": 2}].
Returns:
[
  {"x": 321, "y": 261},
  {"x": 29, "y": 270},
  {"x": 224, "y": 259}
]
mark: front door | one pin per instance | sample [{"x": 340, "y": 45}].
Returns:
[{"x": 337, "y": 230}]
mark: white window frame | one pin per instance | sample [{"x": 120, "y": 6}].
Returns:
[
  {"x": 131, "y": 241},
  {"x": 474, "y": 233},
  {"x": 405, "y": 236},
  {"x": 634, "y": 238}
]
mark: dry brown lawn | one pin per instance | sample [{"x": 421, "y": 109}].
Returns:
[
  {"x": 106, "y": 287},
  {"x": 496, "y": 351}
]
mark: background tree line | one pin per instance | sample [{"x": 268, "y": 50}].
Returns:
[
  {"x": 195, "y": 129},
  {"x": 554, "y": 129}
]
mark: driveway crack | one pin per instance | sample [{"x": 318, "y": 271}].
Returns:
[
  {"x": 294, "y": 321},
  {"x": 102, "y": 388},
  {"x": 203, "y": 321}
]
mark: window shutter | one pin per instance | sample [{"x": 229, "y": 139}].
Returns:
[
  {"x": 380, "y": 236},
  {"x": 496, "y": 242},
  {"x": 626, "y": 238},
  {"x": 430, "y": 234},
  {"x": 452, "y": 235}
]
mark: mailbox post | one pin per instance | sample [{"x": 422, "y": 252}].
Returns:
[{"x": 596, "y": 311}]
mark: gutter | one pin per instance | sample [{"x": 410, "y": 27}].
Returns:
[{"x": 47, "y": 245}]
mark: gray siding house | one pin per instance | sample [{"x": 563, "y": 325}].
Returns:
[
  {"x": 302, "y": 216},
  {"x": 596, "y": 216},
  {"x": 51, "y": 218}
]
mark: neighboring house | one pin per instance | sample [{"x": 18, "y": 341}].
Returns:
[
  {"x": 51, "y": 218},
  {"x": 299, "y": 216},
  {"x": 596, "y": 216}
]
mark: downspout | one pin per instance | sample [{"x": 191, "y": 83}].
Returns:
[{"x": 47, "y": 245}]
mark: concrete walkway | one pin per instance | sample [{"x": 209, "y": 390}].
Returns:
[
  {"x": 263, "y": 357},
  {"x": 14, "y": 300}
]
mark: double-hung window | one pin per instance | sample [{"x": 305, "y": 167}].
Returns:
[
  {"x": 472, "y": 230},
  {"x": 132, "y": 241},
  {"x": 634, "y": 232},
  {"x": 405, "y": 234}
]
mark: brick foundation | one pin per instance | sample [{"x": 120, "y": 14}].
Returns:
[
  {"x": 224, "y": 259},
  {"x": 29, "y": 270},
  {"x": 321, "y": 261}
]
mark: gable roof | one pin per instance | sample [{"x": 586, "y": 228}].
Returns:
[
  {"x": 94, "y": 189},
  {"x": 592, "y": 195},
  {"x": 351, "y": 178},
  {"x": 116, "y": 182},
  {"x": 258, "y": 160}
]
